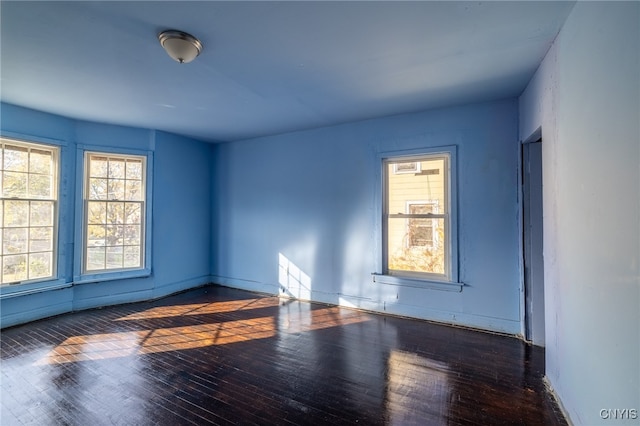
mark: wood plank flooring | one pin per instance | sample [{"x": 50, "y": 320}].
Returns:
[{"x": 215, "y": 355}]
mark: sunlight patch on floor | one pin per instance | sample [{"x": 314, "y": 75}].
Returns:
[
  {"x": 96, "y": 347},
  {"x": 203, "y": 308},
  {"x": 116, "y": 345}
]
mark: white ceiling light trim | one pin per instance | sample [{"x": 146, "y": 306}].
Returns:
[{"x": 181, "y": 46}]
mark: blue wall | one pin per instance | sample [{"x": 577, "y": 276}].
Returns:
[
  {"x": 181, "y": 213},
  {"x": 233, "y": 213},
  {"x": 312, "y": 198}
]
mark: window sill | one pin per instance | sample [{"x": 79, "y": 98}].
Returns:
[
  {"x": 417, "y": 283},
  {"x": 17, "y": 290},
  {"x": 9, "y": 291},
  {"x": 112, "y": 276}
]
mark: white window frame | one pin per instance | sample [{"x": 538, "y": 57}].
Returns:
[
  {"x": 448, "y": 281},
  {"x": 9, "y": 288},
  {"x": 81, "y": 274}
]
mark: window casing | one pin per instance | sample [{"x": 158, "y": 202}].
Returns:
[
  {"x": 28, "y": 211},
  {"x": 114, "y": 212},
  {"x": 418, "y": 224}
]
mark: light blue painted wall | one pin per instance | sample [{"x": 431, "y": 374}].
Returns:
[
  {"x": 586, "y": 98},
  {"x": 312, "y": 197},
  {"x": 181, "y": 212}
]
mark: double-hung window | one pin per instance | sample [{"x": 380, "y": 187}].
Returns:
[
  {"x": 28, "y": 211},
  {"x": 114, "y": 212},
  {"x": 419, "y": 238}
]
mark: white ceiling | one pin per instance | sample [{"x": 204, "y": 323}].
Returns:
[{"x": 267, "y": 67}]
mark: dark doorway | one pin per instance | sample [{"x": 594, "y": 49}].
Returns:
[{"x": 533, "y": 242}]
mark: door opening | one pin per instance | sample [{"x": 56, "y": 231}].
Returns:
[{"x": 533, "y": 242}]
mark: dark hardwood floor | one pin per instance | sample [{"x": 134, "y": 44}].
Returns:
[{"x": 220, "y": 356}]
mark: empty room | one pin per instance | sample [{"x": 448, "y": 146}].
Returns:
[{"x": 319, "y": 212}]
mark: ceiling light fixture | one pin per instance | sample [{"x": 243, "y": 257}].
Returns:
[{"x": 181, "y": 46}]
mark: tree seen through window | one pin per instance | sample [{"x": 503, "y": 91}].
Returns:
[{"x": 114, "y": 212}]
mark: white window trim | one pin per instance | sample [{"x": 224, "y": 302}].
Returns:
[
  {"x": 445, "y": 216},
  {"x": 58, "y": 281},
  {"x": 44, "y": 282},
  {"x": 85, "y": 243},
  {"x": 80, "y": 276},
  {"x": 381, "y": 275}
]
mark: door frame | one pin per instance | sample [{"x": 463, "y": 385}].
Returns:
[{"x": 527, "y": 305}]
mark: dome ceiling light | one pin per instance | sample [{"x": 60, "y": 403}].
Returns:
[{"x": 181, "y": 46}]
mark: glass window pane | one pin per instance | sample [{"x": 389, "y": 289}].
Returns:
[
  {"x": 96, "y": 236},
  {"x": 40, "y": 265},
  {"x": 97, "y": 189},
  {"x": 428, "y": 185},
  {"x": 14, "y": 185},
  {"x": 426, "y": 258},
  {"x": 40, "y": 239},
  {"x": 131, "y": 257},
  {"x": 14, "y": 268},
  {"x": 96, "y": 258},
  {"x": 420, "y": 233},
  {"x": 406, "y": 167},
  {"x": 97, "y": 212},
  {"x": 132, "y": 235},
  {"x": 115, "y": 235},
  {"x": 422, "y": 208},
  {"x": 40, "y": 161},
  {"x": 115, "y": 257},
  {"x": 134, "y": 169},
  {"x": 16, "y": 213},
  {"x": 14, "y": 240},
  {"x": 132, "y": 213},
  {"x": 116, "y": 189},
  {"x": 40, "y": 186},
  {"x": 134, "y": 190},
  {"x": 421, "y": 229},
  {"x": 41, "y": 213},
  {"x": 98, "y": 166},
  {"x": 116, "y": 168},
  {"x": 16, "y": 158},
  {"x": 115, "y": 213}
]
